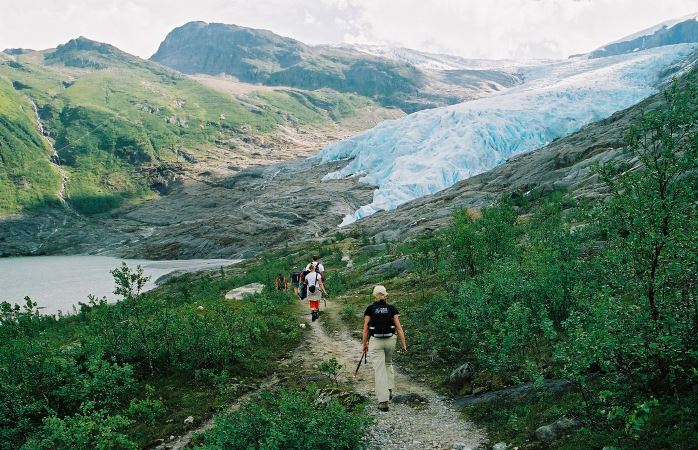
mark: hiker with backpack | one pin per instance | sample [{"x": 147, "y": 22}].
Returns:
[
  {"x": 316, "y": 288},
  {"x": 319, "y": 268},
  {"x": 381, "y": 323}
]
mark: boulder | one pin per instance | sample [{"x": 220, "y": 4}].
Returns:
[
  {"x": 500, "y": 446},
  {"x": 398, "y": 266},
  {"x": 548, "y": 433},
  {"x": 460, "y": 446},
  {"x": 189, "y": 420},
  {"x": 514, "y": 393},
  {"x": 460, "y": 376},
  {"x": 244, "y": 291}
]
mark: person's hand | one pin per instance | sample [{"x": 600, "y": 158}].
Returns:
[
  {"x": 365, "y": 349},
  {"x": 404, "y": 349}
]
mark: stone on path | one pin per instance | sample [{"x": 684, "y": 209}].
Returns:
[{"x": 244, "y": 291}]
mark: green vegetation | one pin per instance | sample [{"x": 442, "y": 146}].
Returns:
[
  {"x": 116, "y": 119},
  {"x": 26, "y": 176},
  {"x": 288, "y": 420},
  {"x": 116, "y": 376},
  {"x": 601, "y": 295}
]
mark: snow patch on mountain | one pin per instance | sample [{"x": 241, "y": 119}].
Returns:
[
  {"x": 435, "y": 61},
  {"x": 431, "y": 150}
]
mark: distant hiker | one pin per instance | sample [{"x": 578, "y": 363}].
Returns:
[
  {"x": 381, "y": 322},
  {"x": 281, "y": 282},
  {"x": 319, "y": 268},
  {"x": 313, "y": 281},
  {"x": 303, "y": 286},
  {"x": 295, "y": 279}
]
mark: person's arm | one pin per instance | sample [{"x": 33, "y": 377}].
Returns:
[
  {"x": 322, "y": 285},
  {"x": 364, "y": 340},
  {"x": 400, "y": 333}
]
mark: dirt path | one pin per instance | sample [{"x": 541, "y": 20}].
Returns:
[{"x": 433, "y": 424}]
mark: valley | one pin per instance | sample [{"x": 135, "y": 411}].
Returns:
[{"x": 533, "y": 221}]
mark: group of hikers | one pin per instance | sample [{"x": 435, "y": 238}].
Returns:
[{"x": 381, "y": 327}]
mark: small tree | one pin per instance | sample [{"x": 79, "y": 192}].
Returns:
[
  {"x": 129, "y": 285},
  {"x": 650, "y": 221}
]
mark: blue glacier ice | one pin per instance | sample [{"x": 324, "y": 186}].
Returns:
[{"x": 431, "y": 150}]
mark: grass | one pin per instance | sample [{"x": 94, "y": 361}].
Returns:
[{"x": 111, "y": 122}]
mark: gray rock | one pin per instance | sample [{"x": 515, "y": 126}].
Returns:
[
  {"x": 460, "y": 446},
  {"x": 548, "y": 433},
  {"x": 375, "y": 248},
  {"x": 244, "y": 291},
  {"x": 500, "y": 446},
  {"x": 189, "y": 420},
  {"x": 512, "y": 393},
  {"x": 460, "y": 376},
  {"x": 398, "y": 266}
]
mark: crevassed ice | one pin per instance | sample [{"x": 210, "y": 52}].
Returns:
[{"x": 431, "y": 150}]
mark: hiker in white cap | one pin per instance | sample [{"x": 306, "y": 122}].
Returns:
[{"x": 381, "y": 323}]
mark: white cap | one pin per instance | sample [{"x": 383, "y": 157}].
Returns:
[{"x": 380, "y": 292}]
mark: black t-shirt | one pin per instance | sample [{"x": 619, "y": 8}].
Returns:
[
  {"x": 370, "y": 310},
  {"x": 381, "y": 323}
]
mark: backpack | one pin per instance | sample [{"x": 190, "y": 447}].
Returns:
[
  {"x": 311, "y": 288},
  {"x": 381, "y": 324}
]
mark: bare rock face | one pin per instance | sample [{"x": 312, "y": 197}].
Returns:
[{"x": 244, "y": 291}]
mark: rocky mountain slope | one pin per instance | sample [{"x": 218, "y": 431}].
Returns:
[
  {"x": 434, "y": 149},
  {"x": 97, "y": 127},
  {"x": 679, "y": 31},
  {"x": 564, "y": 165},
  {"x": 270, "y": 206},
  {"x": 260, "y": 56}
]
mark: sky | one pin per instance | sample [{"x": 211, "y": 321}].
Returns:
[{"x": 492, "y": 29}]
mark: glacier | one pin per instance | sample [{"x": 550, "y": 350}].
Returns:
[{"x": 430, "y": 150}]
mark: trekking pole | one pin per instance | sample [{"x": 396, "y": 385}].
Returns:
[{"x": 362, "y": 358}]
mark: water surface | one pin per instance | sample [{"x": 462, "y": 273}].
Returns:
[{"x": 57, "y": 283}]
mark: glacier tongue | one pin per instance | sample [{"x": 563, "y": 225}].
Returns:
[{"x": 433, "y": 149}]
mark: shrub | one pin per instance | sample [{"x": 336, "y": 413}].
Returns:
[{"x": 289, "y": 420}]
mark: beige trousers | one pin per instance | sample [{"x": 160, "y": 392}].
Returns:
[{"x": 381, "y": 356}]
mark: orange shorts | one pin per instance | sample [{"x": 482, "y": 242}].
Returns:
[{"x": 314, "y": 304}]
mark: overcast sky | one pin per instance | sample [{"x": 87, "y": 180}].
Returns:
[{"x": 470, "y": 28}]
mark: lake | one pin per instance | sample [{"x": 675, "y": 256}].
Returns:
[{"x": 57, "y": 283}]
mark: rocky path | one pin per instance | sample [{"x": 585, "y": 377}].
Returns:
[{"x": 418, "y": 418}]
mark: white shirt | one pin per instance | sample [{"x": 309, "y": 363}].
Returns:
[
  {"x": 313, "y": 279},
  {"x": 318, "y": 266}
]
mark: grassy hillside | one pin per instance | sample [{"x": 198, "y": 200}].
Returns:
[
  {"x": 27, "y": 179},
  {"x": 117, "y": 120}
]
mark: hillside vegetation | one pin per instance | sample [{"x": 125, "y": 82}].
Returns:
[
  {"x": 123, "y": 127},
  {"x": 601, "y": 295}
]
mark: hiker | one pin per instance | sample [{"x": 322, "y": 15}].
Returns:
[
  {"x": 381, "y": 322},
  {"x": 315, "y": 286},
  {"x": 281, "y": 282},
  {"x": 295, "y": 279},
  {"x": 319, "y": 268},
  {"x": 303, "y": 286}
]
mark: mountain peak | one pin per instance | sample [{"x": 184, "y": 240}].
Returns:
[
  {"x": 676, "y": 31},
  {"x": 83, "y": 52}
]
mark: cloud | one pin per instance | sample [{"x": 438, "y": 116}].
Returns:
[{"x": 471, "y": 28}]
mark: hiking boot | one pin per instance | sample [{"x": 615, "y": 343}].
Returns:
[
  {"x": 383, "y": 406},
  {"x": 314, "y": 315}
]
